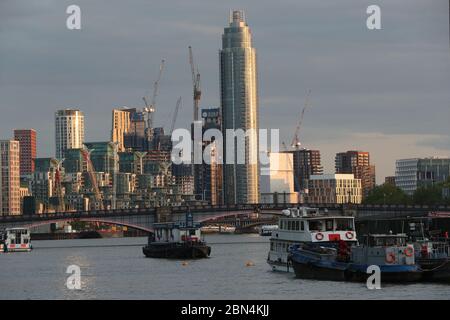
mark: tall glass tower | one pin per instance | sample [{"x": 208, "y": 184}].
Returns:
[{"x": 239, "y": 103}]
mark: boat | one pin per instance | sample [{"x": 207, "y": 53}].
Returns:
[
  {"x": 266, "y": 230},
  {"x": 394, "y": 257},
  {"x": 433, "y": 257},
  {"x": 218, "y": 229},
  {"x": 307, "y": 225},
  {"x": 176, "y": 240},
  {"x": 15, "y": 240}
]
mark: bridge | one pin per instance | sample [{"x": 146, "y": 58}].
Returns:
[{"x": 144, "y": 218}]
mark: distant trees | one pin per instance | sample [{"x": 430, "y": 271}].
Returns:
[{"x": 389, "y": 194}]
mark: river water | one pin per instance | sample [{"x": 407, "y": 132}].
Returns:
[{"x": 116, "y": 269}]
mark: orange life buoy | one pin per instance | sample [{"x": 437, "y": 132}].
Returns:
[
  {"x": 409, "y": 251},
  {"x": 319, "y": 236},
  {"x": 390, "y": 258},
  {"x": 349, "y": 235}
]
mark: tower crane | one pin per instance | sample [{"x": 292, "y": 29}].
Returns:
[
  {"x": 296, "y": 141},
  {"x": 195, "y": 84},
  {"x": 90, "y": 170},
  {"x": 58, "y": 186},
  {"x": 175, "y": 114},
  {"x": 151, "y": 108}
]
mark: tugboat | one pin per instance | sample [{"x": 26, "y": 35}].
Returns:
[
  {"x": 389, "y": 252},
  {"x": 177, "y": 240},
  {"x": 307, "y": 225},
  {"x": 433, "y": 257},
  {"x": 15, "y": 240}
]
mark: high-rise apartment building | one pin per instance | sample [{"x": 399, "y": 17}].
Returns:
[
  {"x": 239, "y": 105},
  {"x": 357, "y": 163},
  {"x": 27, "y": 153},
  {"x": 69, "y": 131},
  {"x": 411, "y": 174},
  {"x": 121, "y": 122},
  {"x": 9, "y": 177},
  {"x": 305, "y": 164}
]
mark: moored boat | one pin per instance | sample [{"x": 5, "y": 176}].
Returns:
[
  {"x": 390, "y": 253},
  {"x": 433, "y": 257},
  {"x": 307, "y": 225},
  {"x": 15, "y": 240},
  {"x": 177, "y": 240}
]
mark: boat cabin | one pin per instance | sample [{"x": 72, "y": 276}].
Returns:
[
  {"x": 176, "y": 232},
  {"x": 382, "y": 249},
  {"x": 15, "y": 239},
  {"x": 307, "y": 225}
]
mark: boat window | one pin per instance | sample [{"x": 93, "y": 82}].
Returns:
[
  {"x": 289, "y": 225},
  {"x": 302, "y": 225},
  {"x": 315, "y": 225},
  {"x": 344, "y": 224},
  {"x": 329, "y": 225},
  {"x": 297, "y": 225}
]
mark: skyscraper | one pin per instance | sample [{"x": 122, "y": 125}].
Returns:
[
  {"x": 9, "y": 178},
  {"x": 358, "y": 163},
  {"x": 69, "y": 131},
  {"x": 239, "y": 103},
  {"x": 121, "y": 121},
  {"x": 306, "y": 163},
  {"x": 27, "y": 143}
]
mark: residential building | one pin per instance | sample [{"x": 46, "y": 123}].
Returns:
[
  {"x": 9, "y": 177},
  {"x": 27, "y": 153},
  {"x": 69, "y": 131},
  {"x": 239, "y": 106},
  {"x": 334, "y": 188}
]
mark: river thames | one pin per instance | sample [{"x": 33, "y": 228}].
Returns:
[{"x": 115, "y": 268}]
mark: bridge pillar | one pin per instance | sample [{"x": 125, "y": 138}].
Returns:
[{"x": 163, "y": 214}]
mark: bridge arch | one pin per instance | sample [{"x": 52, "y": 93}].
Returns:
[{"x": 101, "y": 220}]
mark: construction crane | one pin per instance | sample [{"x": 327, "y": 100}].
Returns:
[
  {"x": 175, "y": 114},
  {"x": 58, "y": 186},
  {"x": 296, "y": 141},
  {"x": 151, "y": 108},
  {"x": 91, "y": 172},
  {"x": 195, "y": 84}
]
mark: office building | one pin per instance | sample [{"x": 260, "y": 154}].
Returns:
[{"x": 411, "y": 174}]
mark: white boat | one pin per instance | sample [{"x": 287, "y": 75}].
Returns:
[
  {"x": 266, "y": 230},
  {"x": 15, "y": 240},
  {"x": 307, "y": 225},
  {"x": 217, "y": 229}
]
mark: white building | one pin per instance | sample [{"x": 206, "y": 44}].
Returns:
[
  {"x": 411, "y": 174},
  {"x": 69, "y": 131},
  {"x": 277, "y": 179},
  {"x": 334, "y": 188}
]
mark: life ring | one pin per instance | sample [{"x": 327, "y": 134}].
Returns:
[
  {"x": 349, "y": 235},
  {"x": 408, "y": 252},
  {"x": 390, "y": 258},
  {"x": 319, "y": 236}
]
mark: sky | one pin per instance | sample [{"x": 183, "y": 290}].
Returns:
[{"x": 383, "y": 91}]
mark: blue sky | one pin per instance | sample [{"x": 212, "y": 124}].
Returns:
[{"x": 384, "y": 91}]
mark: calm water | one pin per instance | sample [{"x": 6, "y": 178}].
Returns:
[{"x": 117, "y": 269}]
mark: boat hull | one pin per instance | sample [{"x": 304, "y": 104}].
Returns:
[
  {"x": 389, "y": 273},
  {"x": 435, "y": 269},
  {"x": 15, "y": 248},
  {"x": 176, "y": 251}
]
